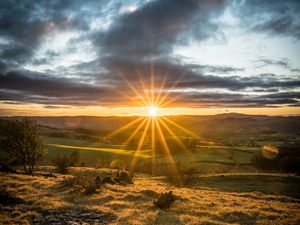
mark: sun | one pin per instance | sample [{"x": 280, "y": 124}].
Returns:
[
  {"x": 153, "y": 111},
  {"x": 151, "y": 129}
]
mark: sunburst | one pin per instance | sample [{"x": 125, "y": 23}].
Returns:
[
  {"x": 152, "y": 123},
  {"x": 153, "y": 111}
]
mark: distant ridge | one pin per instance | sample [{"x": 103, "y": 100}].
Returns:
[{"x": 226, "y": 122}]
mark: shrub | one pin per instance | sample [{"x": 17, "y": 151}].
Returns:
[
  {"x": 71, "y": 181},
  {"x": 90, "y": 189},
  {"x": 74, "y": 158},
  {"x": 62, "y": 164},
  {"x": 21, "y": 141},
  {"x": 82, "y": 184}
]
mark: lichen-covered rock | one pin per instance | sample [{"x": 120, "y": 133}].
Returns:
[{"x": 165, "y": 200}]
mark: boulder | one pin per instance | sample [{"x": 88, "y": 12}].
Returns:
[{"x": 165, "y": 200}]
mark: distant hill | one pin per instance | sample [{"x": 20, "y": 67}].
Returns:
[{"x": 229, "y": 122}]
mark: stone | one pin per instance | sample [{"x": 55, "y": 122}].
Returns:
[{"x": 165, "y": 200}]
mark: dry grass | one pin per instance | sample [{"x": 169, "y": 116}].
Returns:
[{"x": 133, "y": 204}]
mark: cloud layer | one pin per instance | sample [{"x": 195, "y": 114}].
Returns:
[{"x": 86, "y": 52}]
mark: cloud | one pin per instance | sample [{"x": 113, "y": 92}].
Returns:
[
  {"x": 284, "y": 25},
  {"x": 56, "y": 107},
  {"x": 154, "y": 28},
  {"x": 132, "y": 45},
  {"x": 23, "y": 86},
  {"x": 283, "y": 63},
  {"x": 274, "y": 17},
  {"x": 40, "y": 88},
  {"x": 213, "y": 99},
  {"x": 24, "y": 25}
]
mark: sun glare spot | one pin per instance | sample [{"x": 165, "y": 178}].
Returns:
[{"x": 153, "y": 111}]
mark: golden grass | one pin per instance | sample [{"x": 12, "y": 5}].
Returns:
[{"x": 133, "y": 204}]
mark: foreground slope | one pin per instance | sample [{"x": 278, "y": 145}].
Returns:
[{"x": 48, "y": 200}]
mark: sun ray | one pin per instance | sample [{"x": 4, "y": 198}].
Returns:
[
  {"x": 174, "y": 171},
  {"x": 153, "y": 145},
  {"x": 180, "y": 127},
  {"x": 134, "y": 133},
  {"x": 133, "y": 89},
  {"x": 172, "y": 88},
  {"x": 162, "y": 85},
  {"x": 147, "y": 97},
  {"x": 152, "y": 82},
  {"x": 166, "y": 103},
  {"x": 123, "y": 127},
  {"x": 172, "y": 134},
  {"x": 140, "y": 144},
  {"x": 153, "y": 124},
  {"x": 164, "y": 142}
]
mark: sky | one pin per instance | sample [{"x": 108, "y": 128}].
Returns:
[{"x": 110, "y": 57}]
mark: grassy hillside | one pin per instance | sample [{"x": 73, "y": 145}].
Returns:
[
  {"x": 205, "y": 158},
  {"x": 47, "y": 200}
]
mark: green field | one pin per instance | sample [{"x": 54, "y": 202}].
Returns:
[
  {"x": 210, "y": 158},
  {"x": 91, "y": 153}
]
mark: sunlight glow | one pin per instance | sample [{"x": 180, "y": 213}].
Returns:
[
  {"x": 153, "y": 111},
  {"x": 152, "y": 130}
]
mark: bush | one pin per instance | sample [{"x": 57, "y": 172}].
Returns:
[
  {"x": 21, "y": 141},
  {"x": 62, "y": 164},
  {"x": 71, "y": 181},
  {"x": 82, "y": 184},
  {"x": 74, "y": 158},
  {"x": 90, "y": 189}
]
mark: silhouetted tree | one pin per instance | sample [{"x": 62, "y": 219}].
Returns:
[{"x": 21, "y": 141}]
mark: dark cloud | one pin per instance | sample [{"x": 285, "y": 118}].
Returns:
[
  {"x": 283, "y": 95},
  {"x": 22, "y": 86},
  {"x": 56, "y": 107},
  {"x": 275, "y": 17},
  {"x": 210, "y": 99},
  {"x": 24, "y": 24},
  {"x": 283, "y": 25},
  {"x": 284, "y": 63},
  {"x": 38, "y": 88},
  {"x": 154, "y": 28},
  {"x": 215, "y": 68}
]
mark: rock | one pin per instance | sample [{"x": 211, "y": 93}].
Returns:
[
  {"x": 98, "y": 181},
  {"x": 124, "y": 177},
  {"x": 107, "y": 180},
  {"x": 165, "y": 200}
]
